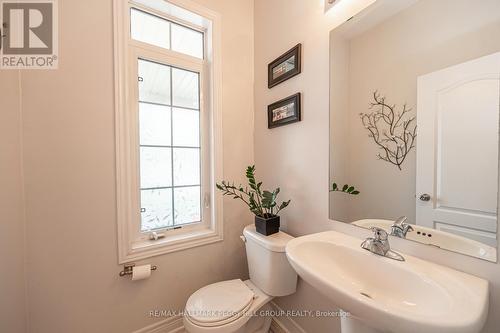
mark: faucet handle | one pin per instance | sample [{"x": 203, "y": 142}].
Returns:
[
  {"x": 401, "y": 220},
  {"x": 379, "y": 233}
]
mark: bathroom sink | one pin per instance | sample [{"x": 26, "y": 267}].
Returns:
[
  {"x": 388, "y": 295},
  {"x": 439, "y": 238}
]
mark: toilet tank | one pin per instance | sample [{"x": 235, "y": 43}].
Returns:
[{"x": 268, "y": 266}]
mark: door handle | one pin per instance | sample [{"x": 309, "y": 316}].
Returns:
[{"x": 425, "y": 197}]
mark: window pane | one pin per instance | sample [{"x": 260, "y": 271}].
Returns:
[
  {"x": 185, "y": 88},
  {"x": 156, "y": 167},
  {"x": 187, "y": 205},
  {"x": 154, "y": 121},
  {"x": 187, "y": 41},
  {"x": 149, "y": 29},
  {"x": 156, "y": 209},
  {"x": 186, "y": 127},
  {"x": 154, "y": 82},
  {"x": 186, "y": 166}
]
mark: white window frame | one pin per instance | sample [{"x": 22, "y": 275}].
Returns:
[{"x": 132, "y": 244}]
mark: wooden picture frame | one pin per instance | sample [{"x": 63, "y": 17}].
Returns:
[
  {"x": 284, "y": 112},
  {"x": 285, "y": 67}
]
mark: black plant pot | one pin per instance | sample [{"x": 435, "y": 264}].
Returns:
[{"x": 267, "y": 226}]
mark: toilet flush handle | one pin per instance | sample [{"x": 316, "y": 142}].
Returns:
[{"x": 243, "y": 239}]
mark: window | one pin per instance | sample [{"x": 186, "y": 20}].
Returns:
[
  {"x": 168, "y": 127},
  {"x": 163, "y": 33},
  {"x": 170, "y": 147}
]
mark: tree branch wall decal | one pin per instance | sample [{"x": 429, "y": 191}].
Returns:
[{"x": 393, "y": 132}]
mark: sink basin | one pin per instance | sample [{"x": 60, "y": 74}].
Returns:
[
  {"x": 388, "y": 295},
  {"x": 439, "y": 238}
]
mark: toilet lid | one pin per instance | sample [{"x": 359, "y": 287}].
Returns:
[{"x": 219, "y": 302}]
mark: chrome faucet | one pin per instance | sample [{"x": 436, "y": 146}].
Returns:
[
  {"x": 379, "y": 244},
  {"x": 400, "y": 228}
]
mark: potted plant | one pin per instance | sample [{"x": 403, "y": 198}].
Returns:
[{"x": 260, "y": 202}]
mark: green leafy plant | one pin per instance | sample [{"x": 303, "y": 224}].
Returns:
[
  {"x": 260, "y": 202},
  {"x": 348, "y": 189}
]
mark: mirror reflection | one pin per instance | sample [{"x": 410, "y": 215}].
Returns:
[{"x": 414, "y": 122}]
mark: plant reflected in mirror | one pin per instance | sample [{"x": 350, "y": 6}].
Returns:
[{"x": 348, "y": 189}]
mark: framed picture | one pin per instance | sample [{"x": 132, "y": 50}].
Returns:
[
  {"x": 285, "y": 67},
  {"x": 283, "y": 112}
]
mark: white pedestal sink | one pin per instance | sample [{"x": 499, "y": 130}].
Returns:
[{"x": 385, "y": 295}]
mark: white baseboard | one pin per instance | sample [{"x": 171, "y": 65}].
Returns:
[
  {"x": 281, "y": 324},
  {"x": 284, "y": 324},
  {"x": 168, "y": 325}
]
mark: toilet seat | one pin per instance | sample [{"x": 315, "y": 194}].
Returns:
[{"x": 220, "y": 303}]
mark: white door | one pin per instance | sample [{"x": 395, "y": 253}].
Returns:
[{"x": 457, "y": 148}]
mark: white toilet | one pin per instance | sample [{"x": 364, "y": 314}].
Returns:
[{"x": 236, "y": 306}]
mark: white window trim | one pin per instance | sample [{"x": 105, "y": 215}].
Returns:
[{"x": 127, "y": 190}]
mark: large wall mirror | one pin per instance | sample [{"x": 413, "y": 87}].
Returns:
[{"x": 414, "y": 122}]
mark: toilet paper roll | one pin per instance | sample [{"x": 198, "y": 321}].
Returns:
[{"x": 141, "y": 272}]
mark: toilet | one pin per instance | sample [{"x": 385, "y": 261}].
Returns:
[{"x": 236, "y": 306}]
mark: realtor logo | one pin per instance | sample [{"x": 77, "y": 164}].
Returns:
[{"x": 28, "y": 34}]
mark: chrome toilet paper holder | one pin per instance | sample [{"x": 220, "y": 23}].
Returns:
[{"x": 128, "y": 269}]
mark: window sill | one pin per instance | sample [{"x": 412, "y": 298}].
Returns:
[{"x": 145, "y": 249}]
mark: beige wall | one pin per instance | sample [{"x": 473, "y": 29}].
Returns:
[
  {"x": 12, "y": 283},
  {"x": 69, "y": 172},
  {"x": 68, "y": 132},
  {"x": 389, "y": 58},
  {"x": 295, "y": 157}
]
